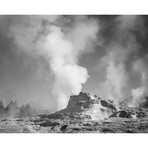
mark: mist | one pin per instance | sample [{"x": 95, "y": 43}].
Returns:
[
  {"x": 63, "y": 50},
  {"x": 46, "y": 59},
  {"x": 50, "y": 47}
]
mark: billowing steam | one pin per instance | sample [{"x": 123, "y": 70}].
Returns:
[
  {"x": 139, "y": 93},
  {"x": 53, "y": 56},
  {"x": 60, "y": 40},
  {"x": 116, "y": 77},
  {"x": 117, "y": 84},
  {"x": 63, "y": 50}
]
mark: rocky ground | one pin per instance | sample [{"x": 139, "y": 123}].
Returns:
[
  {"x": 43, "y": 124},
  {"x": 85, "y": 113}
]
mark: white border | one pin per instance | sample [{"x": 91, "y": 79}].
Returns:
[
  {"x": 73, "y": 7},
  {"x": 73, "y": 140}
]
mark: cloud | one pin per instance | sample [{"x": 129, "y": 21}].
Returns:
[
  {"x": 53, "y": 57},
  {"x": 117, "y": 63},
  {"x": 127, "y": 22},
  {"x": 140, "y": 92},
  {"x": 60, "y": 41},
  {"x": 116, "y": 77},
  {"x": 63, "y": 50}
]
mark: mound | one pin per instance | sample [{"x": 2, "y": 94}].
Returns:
[{"x": 90, "y": 106}]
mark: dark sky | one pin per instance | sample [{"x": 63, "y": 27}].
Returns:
[{"x": 116, "y": 62}]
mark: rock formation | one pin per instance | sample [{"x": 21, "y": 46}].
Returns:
[
  {"x": 90, "y": 106},
  {"x": 144, "y": 102}
]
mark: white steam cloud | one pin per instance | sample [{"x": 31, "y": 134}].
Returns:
[
  {"x": 140, "y": 92},
  {"x": 63, "y": 50},
  {"x": 116, "y": 76},
  {"x": 61, "y": 40},
  {"x": 116, "y": 85}
]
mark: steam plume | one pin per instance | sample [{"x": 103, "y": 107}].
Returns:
[
  {"x": 116, "y": 84},
  {"x": 116, "y": 76},
  {"x": 60, "y": 40},
  {"x": 53, "y": 56},
  {"x": 140, "y": 92},
  {"x": 63, "y": 51}
]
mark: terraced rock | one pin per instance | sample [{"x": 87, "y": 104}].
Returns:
[{"x": 88, "y": 106}]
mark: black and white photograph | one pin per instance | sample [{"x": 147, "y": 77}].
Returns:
[{"x": 73, "y": 74}]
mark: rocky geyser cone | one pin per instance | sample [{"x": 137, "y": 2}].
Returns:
[{"x": 86, "y": 104}]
